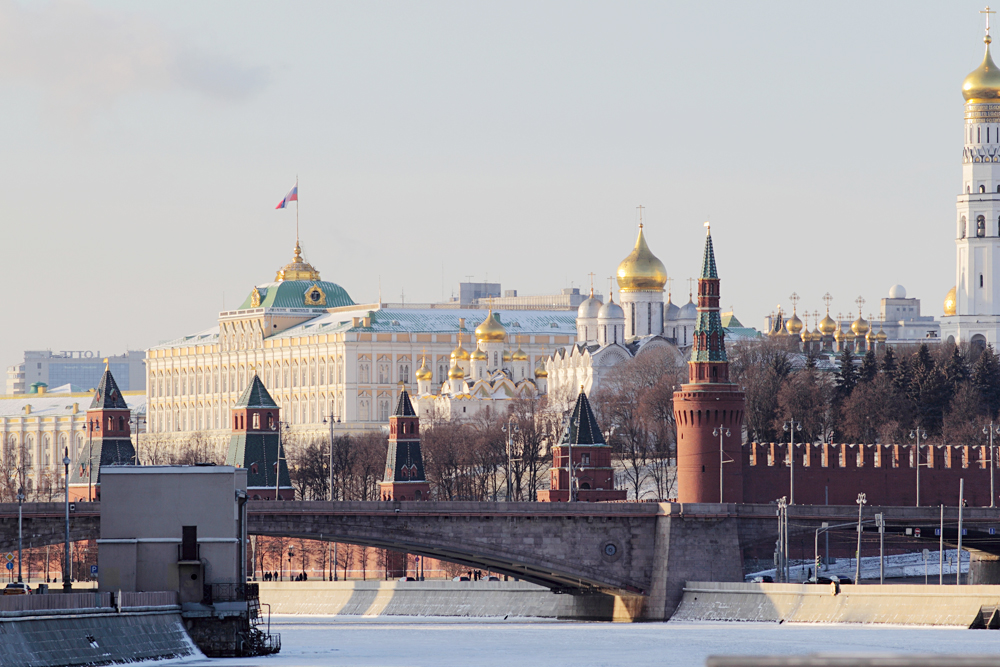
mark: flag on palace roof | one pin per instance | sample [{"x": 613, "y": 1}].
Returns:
[{"x": 293, "y": 195}]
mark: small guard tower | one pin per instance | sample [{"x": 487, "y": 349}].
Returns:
[
  {"x": 109, "y": 441},
  {"x": 256, "y": 444},
  {"x": 404, "y": 464}
]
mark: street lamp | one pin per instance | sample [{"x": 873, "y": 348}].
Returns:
[
  {"x": 330, "y": 419},
  {"x": 991, "y": 429},
  {"x": 862, "y": 499},
  {"x": 20, "y": 500},
  {"x": 783, "y": 539},
  {"x": 721, "y": 431},
  {"x": 917, "y": 434},
  {"x": 136, "y": 419},
  {"x": 790, "y": 427},
  {"x": 67, "y": 583},
  {"x": 291, "y": 552},
  {"x": 510, "y": 428}
]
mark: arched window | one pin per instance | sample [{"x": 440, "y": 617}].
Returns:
[
  {"x": 256, "y": 421},
  {"x": 963, "y": 226},
  {"x": 980, "y": 226},
  {"x": 982, "y": 189}
]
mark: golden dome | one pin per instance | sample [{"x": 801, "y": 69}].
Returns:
[
  {"x": 540, "y": 372},
  {"x": 478, "y": 355},
  {"x": 860, "y": 326},
  {"x": 949, "y": 303},
  {"x": 491, "y": 330},
  {"x": 793, "y": 325},
  {"x": 641, "y": 270},
  {"x": 424, "y": 373},
  {"x": 881, "y": 336},
  {"x": 827, "y": 326},
  {"x": 297, "y": 269},
  {"x": 519, "y": 354},
  {"x": 456, "y": 373},
  {"x": 983, "y": 83},
  {"x": 459, "y": 353},
  {"x": 506, "y": 355},
  {"x": 872, "y": 336}
]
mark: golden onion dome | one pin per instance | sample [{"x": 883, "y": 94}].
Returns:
[
  {"x": 872, "y": 336},
  {"x": 950, "y": 307},
  {"x": 848, "y": 336},
  {"x": 478, "y": 355},
  {"x": 297, "y": 269},
  {"x": 456, "y": 373},
  {"x": 424, "y": 373},
  {"x": 540, "y": 372},
  {"x": 459, "y": 353},
  {"x": 641, "y": 270},
  {"x": 860, "y": 326},
  {"x": 490, "y": 330},
  {"x": 827, "y": 326},
  {"x": 881, "y": 336},
  {"x": 793, "y": 325},
  {"x": 506, "y": 355},
  {"x": 519, "y": 354},
  {"x": 816, "y": 335},
  {"x": 983, "y": 83},
  {"x": 838, "y": 333}
]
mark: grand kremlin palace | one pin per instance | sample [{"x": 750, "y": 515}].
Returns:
[{"x": 324, "y": 358}]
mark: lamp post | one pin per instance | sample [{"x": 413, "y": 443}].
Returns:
[
  {"x": 67, "y": 582},
  {"x": 721, "y": 431},
  {"x": 782, "y": 564},
  {"x": 510, "y": 428},
  {"x": 137, "y": 420},
  {"x": 991, "y": 429},
  {"x": 862, "y": 499},
  {"x": 330, "y": 419},
  {"x": 20, "y": 500},
  {"x": 880, "y": 524},
  {"x": 917, "y": 434},
  {"x": 277, "y": 463},
  {"x": 291, "y": 552},
  {"x": 790, "y": 427}
]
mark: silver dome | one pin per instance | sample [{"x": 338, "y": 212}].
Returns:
[
  {"x": 671, "y": 311},
  {"x": 688, "y": 311},
  {"x": 611, "y": 311},
  {"x": 589, "y": 309}
]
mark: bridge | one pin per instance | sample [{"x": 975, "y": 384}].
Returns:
[{"x": 639, "y": 554}]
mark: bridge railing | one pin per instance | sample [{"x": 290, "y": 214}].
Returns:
[{"x": 90, "y": 600}]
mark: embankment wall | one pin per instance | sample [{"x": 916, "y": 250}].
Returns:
[
  {"x": 901, "y": 604},
  {"x": 438, "y": 598}
]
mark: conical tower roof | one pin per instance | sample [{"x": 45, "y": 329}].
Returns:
[
  {"x": 582, "y": 428},
  {"x": 108, "y": 396},
  {"x": 404, "y": 408},
  {"x": 708, "y": 261},
  {"x": 255, "y": 396}
]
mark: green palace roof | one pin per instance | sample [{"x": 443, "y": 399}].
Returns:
[{"x": 318, "y": 294}]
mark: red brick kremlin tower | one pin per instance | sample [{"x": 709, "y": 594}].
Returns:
[
  {"x": 709, "y": 406},
  {"x": 593, "y": 476},
  {"x": 256, "y": 444},
  {"x": 404, "y": 464},
  {"x": 109, "y": 441}
]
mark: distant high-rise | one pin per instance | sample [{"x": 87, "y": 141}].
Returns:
[{"x": 75, "y": 371}]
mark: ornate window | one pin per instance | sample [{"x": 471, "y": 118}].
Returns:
[
  {"x": 980, "y": 226},
  {"x": 383, "y": 410},
  {"x": 404, "y": 373}
]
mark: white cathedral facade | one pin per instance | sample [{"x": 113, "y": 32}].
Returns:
[{"x": 972, "y": 307}]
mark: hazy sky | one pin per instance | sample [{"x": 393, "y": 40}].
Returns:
[{"x": 145, "y": 146}]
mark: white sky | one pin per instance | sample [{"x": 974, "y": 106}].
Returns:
[{"x": 145, "y": 146}]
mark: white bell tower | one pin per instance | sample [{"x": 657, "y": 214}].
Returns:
[{"x": 972, "y": 313}]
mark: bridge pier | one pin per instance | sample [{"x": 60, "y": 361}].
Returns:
[{"x": 984, "y": 568}]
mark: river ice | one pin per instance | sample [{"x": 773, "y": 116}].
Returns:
[{"x": 441, "y": 642}]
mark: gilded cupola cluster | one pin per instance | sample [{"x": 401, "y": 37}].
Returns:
[{"x": 829, "y": 336}]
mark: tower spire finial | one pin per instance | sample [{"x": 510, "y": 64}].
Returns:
[
  {"x": 639, "y": 208},
  {"x": 708, "y": 228},
  {"x": 987, "y": 11},
  {"x": 591, "y": 274}
]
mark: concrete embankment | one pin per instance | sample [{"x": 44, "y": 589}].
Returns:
[
  {"x": 85, "y": 629},
  {"x": 440, "y": 598},
  {"x": 902, "y": 604}
]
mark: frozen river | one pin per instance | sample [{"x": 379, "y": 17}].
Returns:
[{"x": 439, "y": 642}]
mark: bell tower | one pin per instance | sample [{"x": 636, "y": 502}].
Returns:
[{"x": 709, "y": 409}]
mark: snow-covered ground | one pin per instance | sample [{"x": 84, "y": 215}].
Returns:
[
  {"x": 902, "y": 565},
  {"x": 437, "y": 642}
]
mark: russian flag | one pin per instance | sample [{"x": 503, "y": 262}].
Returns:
[{"x": 290, "y": 197}]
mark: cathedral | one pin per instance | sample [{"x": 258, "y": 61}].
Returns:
[{"x": 972, "y": 307}]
